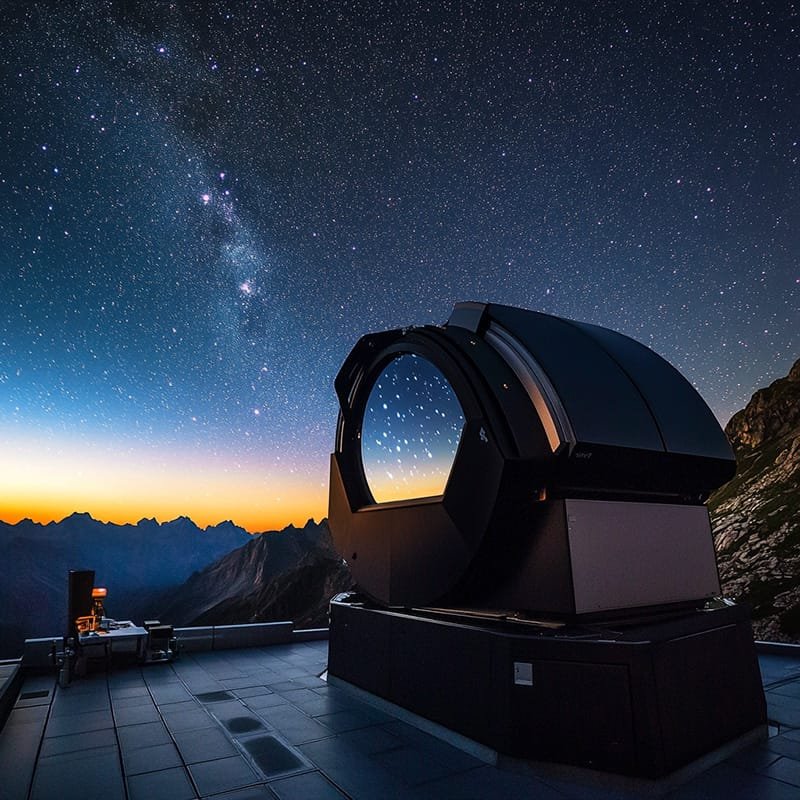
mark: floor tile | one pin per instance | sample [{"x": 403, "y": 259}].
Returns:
[
  {"x": 79, "y": 704},
  {"x": 785, "y": 745},
  {"x": 151, "y": 759},
  {"x": 218, "y": 696},
  {"x": 754, "y": 758},
  {"x": 318, "y": 741},
  {"x": 265, "y": 701},
  {"x": 784, "y": 769},
  {"x": 297, "y": 695},
  {"x": 194, "y": 719},
  {"x": 40, "y": 697},
  {"x": 181, "y": 705},
  {"x": 172, "y": 694},
  {"x": 169, "y": 784},
  {"x": 82, "y": 755},
  {"x": 97, "y": 777},
  {"x": 240, "y": 683},
  {"x": 272, "y": 756},
  {"x": 226, "y": 708},
  {"x": 131, "y": 701},
  {"x": 489, "y": 783},
  {"x": 356, "y": 774},
  {"x": 252, "y": 691},
  {"x": 293, "y": 725},
  {"x": 223, "y": 775},
  {"x": 783, "y": 700},
  {"x": 309, "y": 786},
  {"x": 129, "y": 691},
  {"x": 411, "y": 765},
  {"x": 372, "y": 740},
  {"x": 244, "y": 724},
  {"x": 135, "y": 715},
  {"x": 204, "y": 745},
  {"x": 792, "y": 689},
  {"x": 56, "y": 745},
  {"x": 79, "y": 723},
  {"x": 250, "y": 793},
  {"x": 710, "y": 786},
  {"x": 315, "y": 705},
  {"x": 452, "y": 757},
  {"x": 341, "y": 721},
  {"x": 132, "y": 737}
]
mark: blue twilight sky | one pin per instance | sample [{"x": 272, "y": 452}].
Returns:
[{"x": 204, "y": 205}]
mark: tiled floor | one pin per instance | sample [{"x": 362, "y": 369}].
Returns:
[{"x": 260, "y": 723}]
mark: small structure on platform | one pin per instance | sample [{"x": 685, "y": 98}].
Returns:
[{"x": 520, "y": 499}]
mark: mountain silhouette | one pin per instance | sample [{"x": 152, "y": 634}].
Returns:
[{"x": 135, "y": 562}]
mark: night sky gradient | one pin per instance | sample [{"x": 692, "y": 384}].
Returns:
[{"x": 204, "y": 205}]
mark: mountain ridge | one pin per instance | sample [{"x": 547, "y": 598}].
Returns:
[
  {"x": 287, "y": 574},
  {"x": 756, "y": 516},
  {"x": 132, "y": 561}
]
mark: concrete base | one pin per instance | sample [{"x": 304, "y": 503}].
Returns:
[{"x": 641, "y": 700}]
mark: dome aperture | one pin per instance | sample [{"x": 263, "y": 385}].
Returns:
[{"x": 410, "y": 431}]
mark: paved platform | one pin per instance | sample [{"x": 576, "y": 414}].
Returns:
[{"x": 261, "y": 723}]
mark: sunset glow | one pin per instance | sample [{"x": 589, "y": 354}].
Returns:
[{"x": 46, "y": 481}]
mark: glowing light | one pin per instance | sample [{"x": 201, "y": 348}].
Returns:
[{"x": 48, "y": 479}]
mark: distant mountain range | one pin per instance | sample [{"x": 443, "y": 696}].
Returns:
[
  {"x": 222, "y": 575},
  {"x": 135, "y": 562},
  {"x": 756, "y": 517},
  {"x": 287, "y": 575},
  {"x": 173, "y": 571}
]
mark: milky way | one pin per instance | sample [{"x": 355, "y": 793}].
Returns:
[{"x": 204, "y": 205}]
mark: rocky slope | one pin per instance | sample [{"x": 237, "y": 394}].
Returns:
[
  {"x": 756, "y": 516},
  {"x": 285, "y": 575},
  {"x": 135, "y": 562}
]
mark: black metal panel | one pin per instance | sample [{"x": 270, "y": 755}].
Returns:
[
  {"x": 361, "y": 649},
  {"x": 575, "y": 712},
  {"x": 400, "y": 554},
  {"x": 686, "y": 423},
  {"x": 79, "y": 594},
  {"x": 640, "y": 700},
  {"x": 694, "y": 665},
  {"x": 603, "y": 405},
  {"x": 448, "y": 679}
]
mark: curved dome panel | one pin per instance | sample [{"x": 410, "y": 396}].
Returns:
[{"x": 603, "y": 405}]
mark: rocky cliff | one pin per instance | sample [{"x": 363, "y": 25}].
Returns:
[
  {"x": 756, "y": 516},
  {"x": 284, "y": 575}
]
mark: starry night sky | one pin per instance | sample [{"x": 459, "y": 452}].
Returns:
[
  {"x": 204, "y": 205},
  {"x": 410, "y": 431}
]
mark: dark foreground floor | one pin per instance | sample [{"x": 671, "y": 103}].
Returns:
[{"x": 260, "y": 723}]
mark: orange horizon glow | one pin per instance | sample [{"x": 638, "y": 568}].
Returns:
[
  {"x": 47, "y": 481},
  {"x": 256, "y": 524}
]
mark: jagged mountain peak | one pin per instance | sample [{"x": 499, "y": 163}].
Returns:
[
  {"x": 287, "y": 574},
  {"x": 772, "y": 412},
  {"x": 136, "y": 563},
  {"x": 78, "y": 516}
]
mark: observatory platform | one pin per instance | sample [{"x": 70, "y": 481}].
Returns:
[{"x": 179, "y": 731}]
